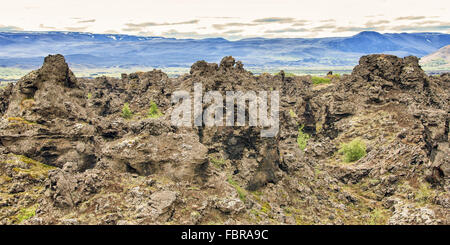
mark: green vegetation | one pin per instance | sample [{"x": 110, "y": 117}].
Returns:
[
  {"x": 126, "y": 112},
  {"x": 266, "y": 208},
  {"x": 241, "y": 192},
  {"x": 18, "y": 120},
  {"x": 302, "y": 138},
  {"x": 35, "y": 169},
  {"x": 218, "y": 162},
  {"x": 320, "y": 80},
  {"x": 287, "y": 74},
  {"x": 424, "y": 193},
  {"x": 353, "y": 151},
  {"x": 319, "y": 126},
  {"x": 378, "y": 217},
  {"x": 154, "y": 112},
  {"x": 298, "y": 212},
  {"x": 89, "y": 96},
  {"x": 301, "y": 71},
  {"x": 292, "y": 113},
  {"x": 25, "y": 214},
  {"x": 317, "y": 172},
  {"x": 337, "y": 75}
]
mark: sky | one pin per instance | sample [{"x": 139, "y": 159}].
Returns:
[{"x": 230, "y": 19}]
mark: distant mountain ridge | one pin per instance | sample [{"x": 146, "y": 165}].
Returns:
[{"x": 27, "y": 49}]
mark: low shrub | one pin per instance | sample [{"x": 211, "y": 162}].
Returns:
[
  {"x": 154, "y": 112},
  {"x": 126, "y": 112},
  {"x": 353, "y": 151},
  {"x": 302, "y": 138},
  {"x": 320, "y": 80}
]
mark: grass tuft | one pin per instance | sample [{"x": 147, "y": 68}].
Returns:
[
  {"x": 126, "y": 112},
  {"x": 241, "y": 192},
  {"x": 353, "y": 151},
  {"x": 302, "y": 138},
  {"x": 218, "y": 162},
  {"x": 154, "y": 112},
  {"x": 25, "y": 213},
  {"x": 320, "y": 80}
]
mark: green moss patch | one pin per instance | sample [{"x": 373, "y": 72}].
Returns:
[
  {"x": 320, "y": 80},
  {"x": 34, "y": 168},
  {"x": 302, "y": 138},
  {"x": 353, "y": 151},
  {"x": 241, "y": 192},
  {"x": 25, "y": 213}
]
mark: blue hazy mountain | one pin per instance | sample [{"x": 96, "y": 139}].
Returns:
[{"x": 27, "y": 49}]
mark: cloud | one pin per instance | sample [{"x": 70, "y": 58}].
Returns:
[
  {"x": 110, "y": 32},
  {"x": 148, "y": 24},
  {"x": 443, "y": 27},
  {"x": 376, "y": 23},
  {"x": 87, "y": 21},
  {"x": 233, "y": 31},
  {"x": 324, "y": 27},
  {"x": 383, "y": 25},
  {"x": 132, "y": 29},
  {"x": 300, "y": 22},
  {"x": 261, "y": 22},
  {"x": 76, "y": 29},
  {"x": 286, "y": 30},
  {"x": 177, "y": 34},
  {"x": 141, "y": 25},
  {"x": 146, "y": 33},
  {"x": 226, "y": 25},
  {"x": 46, "y": 27},
  {"x": 185, "y": 22},
  {"x": 218, "y": 17},
  {"x": 354, "y": 29},
  {"x": 426, "y": 22},
  {"x": 275, "y": 20},
  {"x": 10, "y": 28},
  {"x": 411, "y": 18}
]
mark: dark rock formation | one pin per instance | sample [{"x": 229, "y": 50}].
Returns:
[{"x": 67, "y": 154}]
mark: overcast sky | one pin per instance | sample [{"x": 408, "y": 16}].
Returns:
[{"x": 231, "y": 19}]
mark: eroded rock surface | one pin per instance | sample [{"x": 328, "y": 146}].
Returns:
[{"x": 67, "y": 156}]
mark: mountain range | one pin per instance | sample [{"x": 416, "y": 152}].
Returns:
[{"x": 27, "y": 49}]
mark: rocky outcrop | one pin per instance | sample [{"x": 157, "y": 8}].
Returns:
[
  {"x": 69, "y": 157},
  {"x": 177, "y": 155},
  {"x": 46, "y": 118}
]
